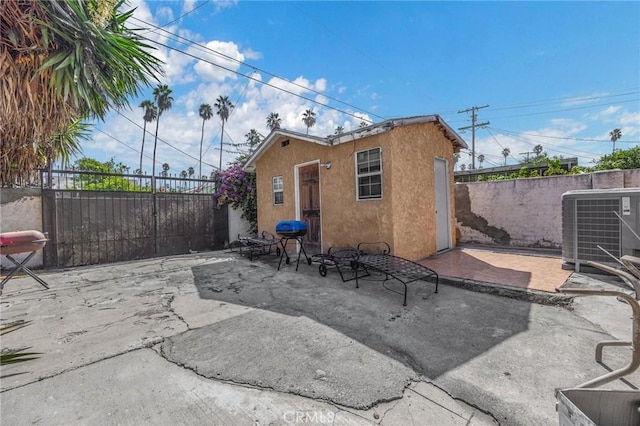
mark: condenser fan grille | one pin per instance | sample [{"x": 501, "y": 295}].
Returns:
[{"x": 597, "y": 225}]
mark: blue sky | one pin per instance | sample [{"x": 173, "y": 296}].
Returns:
[{"x": 558, "y": 74}]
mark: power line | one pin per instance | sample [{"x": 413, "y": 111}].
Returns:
[
  {"x": 200, "y": 47},
  {"x": 161, "y": 140},
  {"x": 561, "y": 100},
  {"x": 554, "y": 101},
  {"x": 561, "y": 137},
  {"x": 474, "y": 124},
  {"x": 262, "y": 82},
  {"x": 566, "y": 109},
  {"x": 499, "y": 144},
  {"x": 240, "y": 96},
  {"x": 555, "y": 147},
  {"x": 178, "y": 38}
]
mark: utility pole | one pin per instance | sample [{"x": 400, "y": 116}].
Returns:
[
  {"x": 527, "y": 154},
  {"x": 474, "y": 124}
]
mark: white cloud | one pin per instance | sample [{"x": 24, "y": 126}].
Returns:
[
  {"x": 321, "y": 84},
  {"x": 563, "y": 127},
  {"x": 222, "y": 59},
  {"x": 631, "y": 120},
  {"x": 195, "y": 82},
  {"x": 605, "y": 114},
  {"x": 224, "y": 4},
  {"x": 252, "y": 54},
  {"x": 582, "y": 100},
  {"x": 164, "y": 14},
  {"x": 188, "y": 6}
]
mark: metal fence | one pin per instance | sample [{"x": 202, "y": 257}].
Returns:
[{"x": 96, "y": 218}]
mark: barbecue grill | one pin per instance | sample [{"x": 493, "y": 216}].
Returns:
[
  {"x": 22, "y": 242},
  {"x": 292, "y": 230}
]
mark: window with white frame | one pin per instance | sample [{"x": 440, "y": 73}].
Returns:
[
  {"x": 369, "y": 174},
  {"x": 278, "y": 190}
]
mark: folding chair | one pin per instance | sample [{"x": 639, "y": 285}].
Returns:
[{"x": 22, "y": 242}]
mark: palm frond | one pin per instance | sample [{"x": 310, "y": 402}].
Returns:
[
  {"x": 13, "y": 356},
  {"x": 61, "y": 60},
  {"x": 17, "y": 325}
]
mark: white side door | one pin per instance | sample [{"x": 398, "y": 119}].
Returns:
[{"x": 443, "y": 214}]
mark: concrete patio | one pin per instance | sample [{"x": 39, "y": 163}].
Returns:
[{"x": 213, "y": 338}]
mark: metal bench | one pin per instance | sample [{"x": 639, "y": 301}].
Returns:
[
  {"x": 381, "y": 260},
  {"x": 340, "y": 258},
  {"x": 256, "y": 246}
]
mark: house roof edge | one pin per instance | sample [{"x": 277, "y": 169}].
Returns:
[
  {"x": 385, "y": 126},
  {"x": 250, "y": 165}
]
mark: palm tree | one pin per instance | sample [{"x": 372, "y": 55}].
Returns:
[
  {"x": 273, "y": 121},
  {"x": 165, "y": 169},
  {"x": 223, "y": 106},
  {"x": 205, "y": 113},
  {"x": 150, "y": 114},
  {"x": 191, "y": 171},
  {"x": 183, "y": 174},
  {"x": 537, "y": 150},
  {"x": 64, "y": 145},
  {"x": 463, "y": 167},
  {"x": 363, "y": 124},
  {"x": 61, "y": 61},
  {"x": 309, "y": 118},
  {"x": 164, "y": 101},
  {"x": 339, "y": 130},
  {"x": 253, "y": 138},
  {"x": 480, "y": 160},
  {"x": 505, "y": 154},
  {"x": 615, "y": 134},
  {"x": 456, "y": 158}
]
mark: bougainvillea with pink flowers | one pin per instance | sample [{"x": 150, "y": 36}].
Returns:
[{"x": 238, "y": 188}]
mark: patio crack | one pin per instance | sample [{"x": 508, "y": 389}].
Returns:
[
  {"x": 470, "y": 404},
  {"x": 390, "y": 408},
  {"x": 167, "y": 304},
  {"x": 265, "y": 387},
  {"x": 145, "y": 345}
]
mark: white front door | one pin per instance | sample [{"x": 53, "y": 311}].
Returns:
[{"x": 443, "y": 215}]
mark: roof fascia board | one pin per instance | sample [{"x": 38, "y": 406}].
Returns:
[
  {"x": 272, "y": 137},
  {"x": 388, "y": 125}
]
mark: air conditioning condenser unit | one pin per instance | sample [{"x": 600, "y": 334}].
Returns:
[{"x": 600, "y": 224}]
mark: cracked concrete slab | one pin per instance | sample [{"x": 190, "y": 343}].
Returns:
[
  {"x": 141, "y": 388},
  {"x": 424, "y": 403},
  {"x": 290, "y": 354},
  {"x": 94, "y": 313},
  {"x": 487, "y": 354}
]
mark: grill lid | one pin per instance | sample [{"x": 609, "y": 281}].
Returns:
[
  {"x": 291, "y": 228},
  {"x": 21, "y": 242}
]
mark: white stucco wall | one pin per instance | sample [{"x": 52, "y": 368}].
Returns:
[
  {"x": 21, "y": 210},
  {"x": 528, "y": 211},
  {"x": 237, "y": 225}
]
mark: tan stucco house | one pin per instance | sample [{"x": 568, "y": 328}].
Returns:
[{"x": 391, "y": 181}]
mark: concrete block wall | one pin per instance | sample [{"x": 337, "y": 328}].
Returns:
[
  {"x": 525, "y": 212},
  {"x": 21, "y": 210}
]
